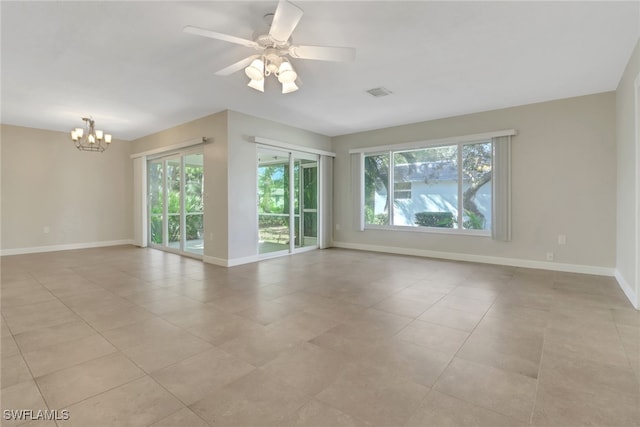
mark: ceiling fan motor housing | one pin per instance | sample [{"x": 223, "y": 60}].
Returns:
[{"x": 266, "y": 41}]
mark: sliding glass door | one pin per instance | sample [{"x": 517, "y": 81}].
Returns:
[
  {"x": 176, "y": 203},
  {"x": 194, "y": 203},
  {"x": 273, "y": 201},
  {"x": 287, "y": 201},
  {"x": 306, "y": 202}
]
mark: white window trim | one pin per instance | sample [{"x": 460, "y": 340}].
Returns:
[
  {"x": 433, "y": 142},
  {"x": 391, "y": 149},
  {"x": 432, "y": 230},
  {"x": 286, "y": 146},
  {"x": 170, "y": 148}
]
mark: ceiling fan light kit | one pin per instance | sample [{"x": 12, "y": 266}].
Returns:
[
  {"x": 274, "y": 49},
  {"x": 271, "y": 64}
]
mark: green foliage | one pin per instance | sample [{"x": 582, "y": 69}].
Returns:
[
  {"x": 193, "y": 202},
  {"x": 435, "y": 219},
  {"x": 271, "y": 178},
  {"x": 156, "y": 229},
  {"x": 473, "y": 221},
  {"x": 372, "y": 218},
  {"x": 194, "y": 226},
  {"x": 269, "y": 221}
]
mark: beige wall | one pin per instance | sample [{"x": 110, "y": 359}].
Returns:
[
  {"x": 563, "y": 180},
  {"x": 83, "y": 197},
  {"x": 628, "y": 170}
]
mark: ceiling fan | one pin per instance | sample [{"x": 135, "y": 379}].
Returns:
[{"x": 274, "y": 50}]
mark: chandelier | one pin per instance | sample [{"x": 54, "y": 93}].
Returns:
[
  {"x": 272, "y": 64},
  {"x": 90, "y": 139}
]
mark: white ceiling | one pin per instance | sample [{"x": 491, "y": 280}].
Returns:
[{"x": 130, "y": 66}]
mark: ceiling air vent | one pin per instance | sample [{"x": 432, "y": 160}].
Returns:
[{"x": 379, "y": 91}]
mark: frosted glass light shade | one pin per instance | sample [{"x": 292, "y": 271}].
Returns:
[
  {"x": 257, "y": 85},
  {"x": 255, "y": 71},
  {"x": 289, "y": 87},
  {"x": 286, "y": 73},
  {"x": 99, "y": 134},
  {"x": 107, "y": 138}
]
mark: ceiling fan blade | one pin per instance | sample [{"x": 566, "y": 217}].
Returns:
[
  {"x": 323, "y": 53},
  {"x": 220, "y": 36},
  {"x": 243, "y": 63},
  {"x": 285, "y": 20}
]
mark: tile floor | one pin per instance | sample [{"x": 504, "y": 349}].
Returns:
[{"x": 124, "y": 336}]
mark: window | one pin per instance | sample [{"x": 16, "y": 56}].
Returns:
[
  {"x": 401, "y": 190},
  {"x": 446, "y": 187}
]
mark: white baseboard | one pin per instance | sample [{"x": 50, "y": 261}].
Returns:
[
  {"x": 628, "y": 290},
  {"x": 67, "y": 247},
  {"x": 511, "y": 262},
  {"x": 237, "y": 261},
  {"x": 215, "y": 261}
]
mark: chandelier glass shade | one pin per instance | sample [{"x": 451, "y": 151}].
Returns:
[
  {"x": 90, "y": 139},
  {"x": 271, "y": 64}
]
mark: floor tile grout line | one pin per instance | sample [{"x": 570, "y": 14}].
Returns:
[
  {"x": 33, "y": 378},
  {"x": 175, "y": 397},
  {"x": 455, "y": 355},
  {"x": 106, "y": 391},
  {"x": 535, "y": 396},
  {"x": 77, "y": 364},
  {"x": 626, "y": 353},
  {"x": 484, "y": 408},
  {"x": 100, "y": 333},
  {"x": 461, "y": 346},
  {"x": 145, "y": 373}
]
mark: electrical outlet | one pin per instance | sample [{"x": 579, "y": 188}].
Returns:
[
  {"x": 46, "y": 229},
  {"x": 562, "y": 239},
  {"x": 549, "y": 256},
  {"x": 338, "y": 227}
]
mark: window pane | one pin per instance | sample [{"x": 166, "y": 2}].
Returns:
[
  {"x": 426, "y": 187},
  {"x": 193, "y": 202},
  {"x": 311, "y": 186},
  {"x": 173, "y": 202},
  {"x": 273, "y": 189},
  {"x": 156, "y": 202},
  {"x": 376, "y": 181},
  {"x": 477, "y": 188}
]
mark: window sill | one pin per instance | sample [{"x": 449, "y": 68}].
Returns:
[{"x": 431, "y": 230}]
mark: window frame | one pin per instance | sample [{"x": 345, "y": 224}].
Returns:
[
  {"x": 390, "y": 151},
  {"x": 407, "y": 193}
]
